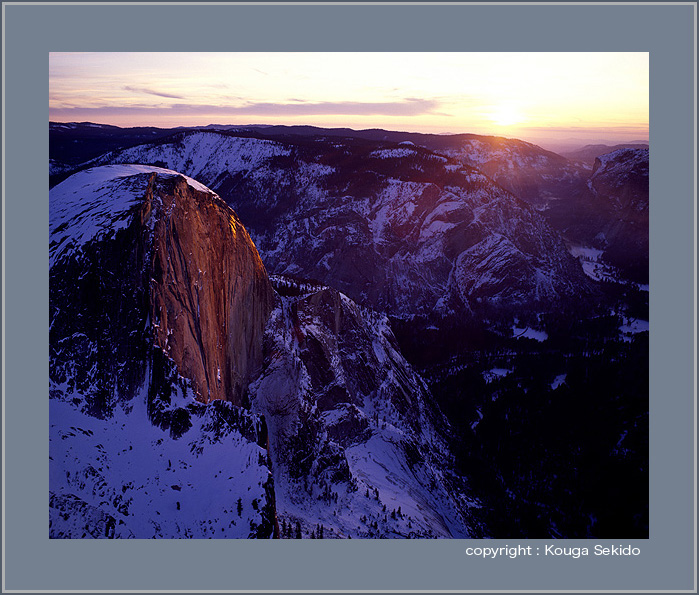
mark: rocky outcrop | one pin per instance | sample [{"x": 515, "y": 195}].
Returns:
[
  {"x": 357, "y": 443},
  {"x": 620, "y": 179},
  {"x": 621, "y": 199},
  {"x": 158, "y": 304},
  {"x": 144, "y": 258}
]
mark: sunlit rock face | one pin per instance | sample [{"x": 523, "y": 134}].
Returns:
[
  {"x": 210, "y": 295},
  {"x": 163, "y": 322}
]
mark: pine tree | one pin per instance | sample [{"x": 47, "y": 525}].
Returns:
[
  {"x": 240, "y": 507},
  {"x": 298, "y": 530}
]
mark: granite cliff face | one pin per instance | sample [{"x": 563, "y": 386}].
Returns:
[{"x": 210, "y": 296}]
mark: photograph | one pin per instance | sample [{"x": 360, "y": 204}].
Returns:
[{"x": 349, "y": 295}]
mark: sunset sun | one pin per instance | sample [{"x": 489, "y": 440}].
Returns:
[{"x": 506, "y": 115}]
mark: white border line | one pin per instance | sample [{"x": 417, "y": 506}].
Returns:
[
  {"x": 366, "y": 591},
  {"x": 4, "y": 251},
  {"x": 694, "y": 358},
  {"x": 322, "y": 3},
  {"x": 325, "y": 3}
]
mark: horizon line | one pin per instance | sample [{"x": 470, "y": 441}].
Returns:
[{"x": 541, "y": 133}]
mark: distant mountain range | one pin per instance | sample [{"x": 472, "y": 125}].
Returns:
[{"x": 589, "y": 153}]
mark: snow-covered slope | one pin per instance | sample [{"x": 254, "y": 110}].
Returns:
[
  {"x": 98, "y": 202},
  {"x": 123, "y": 477},
  {"x": 203, "y": 155}
]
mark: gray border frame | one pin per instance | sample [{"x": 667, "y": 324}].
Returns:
[{"x": 32, "y": 562}]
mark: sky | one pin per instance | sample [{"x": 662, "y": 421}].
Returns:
[{"x": 556, "y": 97}]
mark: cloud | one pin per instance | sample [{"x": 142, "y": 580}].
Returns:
[
  {"x": 405, "y": 107},
  {"x": 152, "y": 92}
]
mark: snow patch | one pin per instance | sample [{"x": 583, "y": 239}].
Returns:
[
  {"x": 633, "y": 326},
  {"x": 558, "y": 380},
  {"x": 495, "y": 373},
  {"x": 151, "y": 484},
  {"x": 393, "y": 153},
  {"x": 529, "y": 333},
  {"x": 585, "y": 252}
]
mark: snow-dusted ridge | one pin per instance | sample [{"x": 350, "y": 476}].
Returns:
[
  {"x": 629, "y": 155},
  {"x": 203, "y": 154},
  {"x": 356, "y": 444},
  {"x": 98, "y": 201},
  {"x": 105, "y": 173}
]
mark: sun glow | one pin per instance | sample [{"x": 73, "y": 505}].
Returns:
[{"x": 507, "y": 115}]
